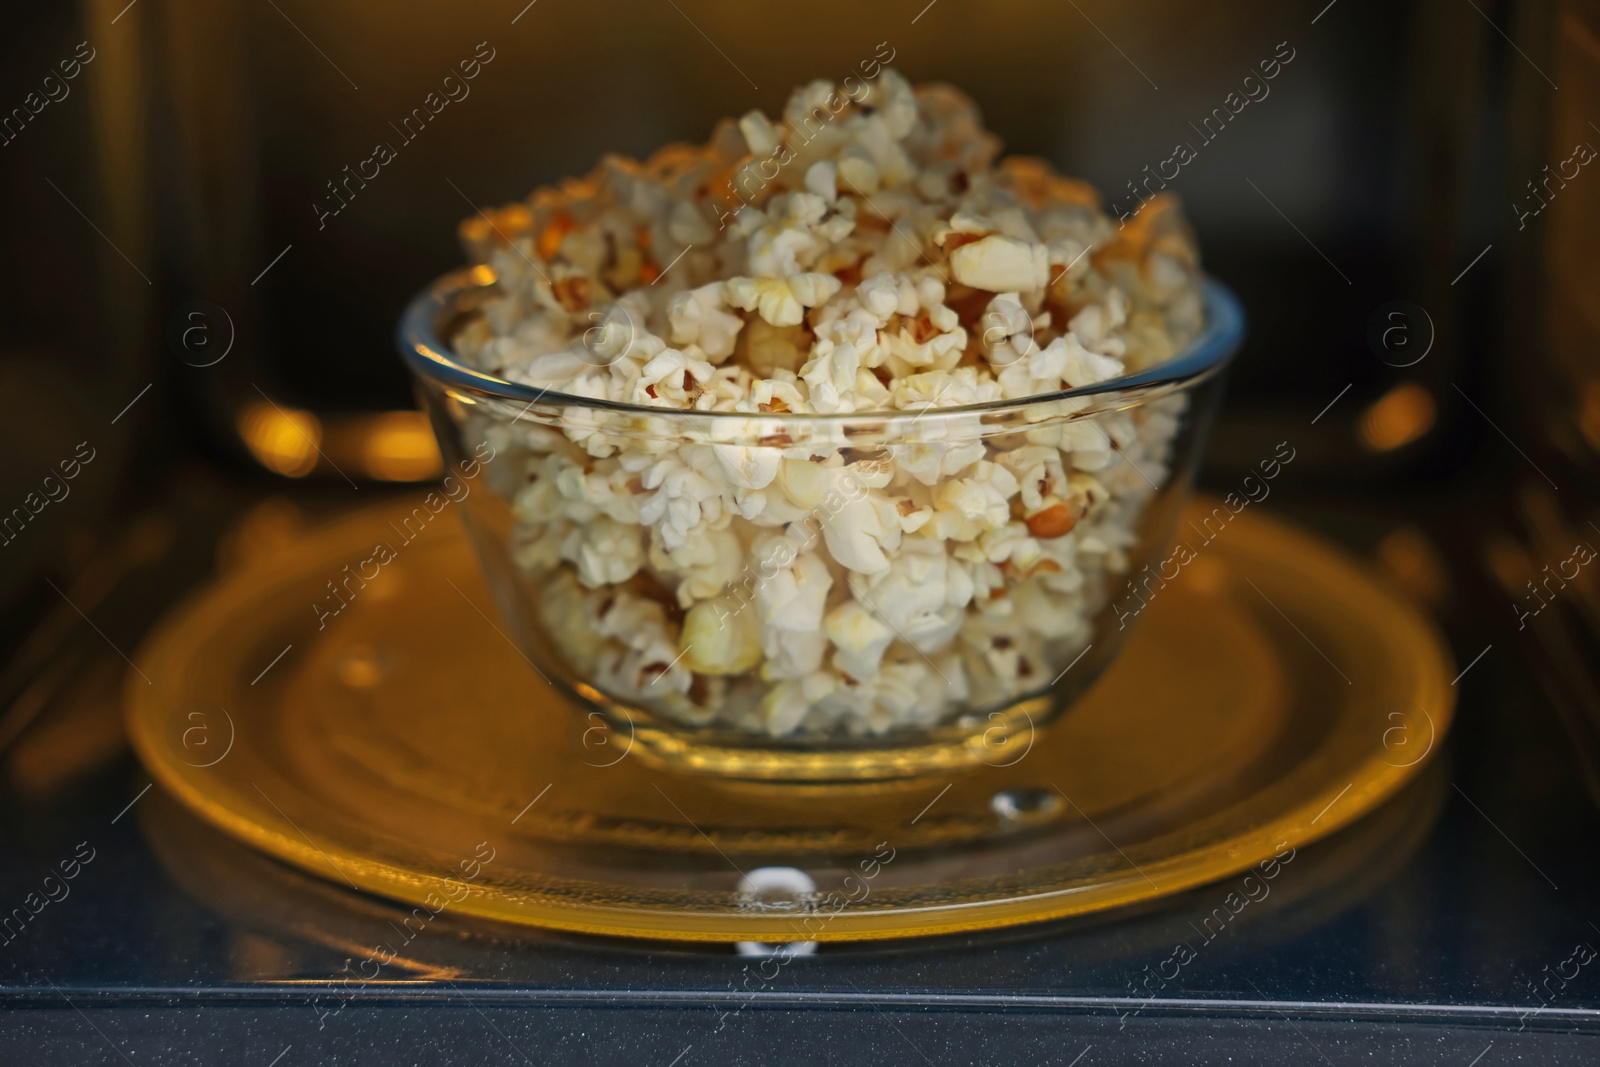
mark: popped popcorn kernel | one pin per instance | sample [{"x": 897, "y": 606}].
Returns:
[
  {"x": 719, "y": 639},
  {"x": 998, "y": 263}
]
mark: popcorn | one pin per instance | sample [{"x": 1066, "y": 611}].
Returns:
[
  {"x": 719, "y": 639},
  {"x": 705, "y": 565},
  {"x": 759, "y": 133},
  {"x": 698, "y": 317},
  {"x": 791, "y": 653},
  {"x": 788, "y": 702},
  {"x": 880, "y": 294},
  {"x": 913, "y": 596},
  {"x": 998, "y": 263},
  {"x": 1007, "y": 332},
  {"x": 671, "y": 376},
  {"x": 805, "y": 483},
  {"x": 781, "y": 301},
  {"x": 676, "y": 508},
  {"x": 861, "y": 639},
  {"x": 855, "y": 533},
  {"x": 795, "y": 587},
  {"x": 1088, "y": 368},
  {"x": 831, "y": 374},
  {"x": 606, "y": 552},
  {"x": 965, "y": 508},
  {"x": 715, "y": 552},
  {"x": 822, "y": 179}
]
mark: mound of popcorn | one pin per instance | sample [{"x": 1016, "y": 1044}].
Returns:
[{"x": 862, "y": 256}]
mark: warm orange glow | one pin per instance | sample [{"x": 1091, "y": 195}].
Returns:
[
  {"x": 362, "y": 667},
  {"x": 282, "y": 439},
  {"x": 400, "y": 448},
  {"x": 550, "y": 238},
  {"x": 1510, "y": 564},
  {"x": 1401, "y": 416},
  {"x": 1205, "y": 576},
  {"x": 483, "y": 274},
  {"x": 1414, "y": 563},
  {"x": 265, "y": 530}
]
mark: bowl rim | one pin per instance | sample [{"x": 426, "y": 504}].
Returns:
[{"x": 432, "y": 359}]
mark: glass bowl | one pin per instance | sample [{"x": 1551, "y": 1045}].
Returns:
[{"x": 817, "y": 598}]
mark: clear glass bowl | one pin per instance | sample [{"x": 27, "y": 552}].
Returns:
[{"x": 818, "y": 598}]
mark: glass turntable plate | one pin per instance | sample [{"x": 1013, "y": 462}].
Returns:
[{"x": 1272, "y": 692}]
